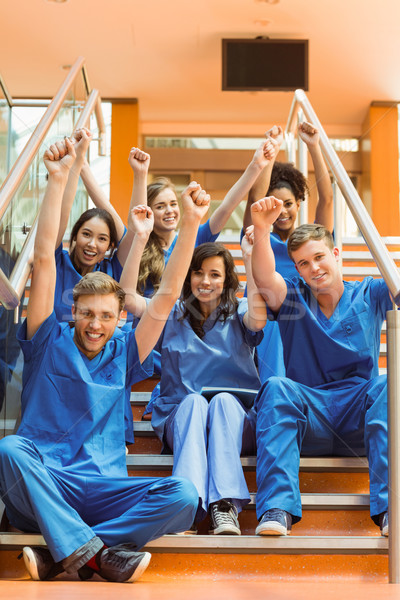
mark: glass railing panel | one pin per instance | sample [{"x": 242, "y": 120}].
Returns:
[
  {"x": 5, "y": 117},
  {"x": 14, "y": 227}
]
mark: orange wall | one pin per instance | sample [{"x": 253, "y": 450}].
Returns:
[
  {"x": 381, "y": 167},
  {"x": 124, "y": 135}
]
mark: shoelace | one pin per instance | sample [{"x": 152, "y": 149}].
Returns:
[
  {"x": 118, "y": 559},
  {"x": 274, "y": 513},
  {"x": 223, "y": 513}
]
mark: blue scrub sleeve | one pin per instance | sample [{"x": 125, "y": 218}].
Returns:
[
  {"x": 380, "y": 295},
  {"x": 204, "y": 234},
  {"x": 31, "y": 348},
  {"x": 253, "y": 338},
  {"x": 135, "y": 370}
]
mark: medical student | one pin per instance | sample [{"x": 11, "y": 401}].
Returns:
[
  {"x": 99, "y": 240},
  {"x": 332, "y": 401},
  {"x": 284, "y": 181},
  {"x": 208, "y": 340},
  {"x": 161, "y": 197},
  {"x": 64, "y": 473}
]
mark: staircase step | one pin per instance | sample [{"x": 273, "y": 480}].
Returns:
[
  {"x": 334, "y": 464},
  {"x": 247, "y": 544}
]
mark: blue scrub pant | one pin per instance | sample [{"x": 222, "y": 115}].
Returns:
[
  {"x": 69, "y": 508},
  {"x": 207, "y": 440},
  {"x": 346, "y": 418}
]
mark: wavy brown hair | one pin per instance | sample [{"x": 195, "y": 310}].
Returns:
[
  {"x": 229, "y": 302},
  {"x": 152, "y": 263}
]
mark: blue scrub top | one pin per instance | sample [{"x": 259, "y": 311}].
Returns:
[
  {"x": 68, "y": 277},
  {"x": 222, "y": 358},
  {"x": 73, "y": 407},
  {"x": 318, "y": 350},
  {"x": 203, "y": 235}
]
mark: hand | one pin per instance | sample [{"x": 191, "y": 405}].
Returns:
[
  {"x": 195, "y": 201},
  {"x": 264, "y": 212},
  {"x": 139, "y": 160},
  {"x": 275, "y": 134},
  {"x": 60, "y": 157},
  {"x": 141, "y": 220},
  {"x": 265, "y": 153},
  {"x": 248, "y": 242},
  {"x": 309, "y": 134},
  {"x": 82, "y": 138}
]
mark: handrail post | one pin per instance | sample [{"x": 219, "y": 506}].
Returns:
[
  {"x": 393, "y": 369},
  {"x": 338, "y": 220},
  {"x": 303, "y": 168}
]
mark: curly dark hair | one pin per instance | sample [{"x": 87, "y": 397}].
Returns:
[
  {"x": 229, "y": 302},
  {"x": 285, "y": 175}
]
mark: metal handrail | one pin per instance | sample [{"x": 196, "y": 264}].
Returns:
[
  {"x": 364, "y": 222},
  {"x": 6, "y": 93},
  {"x": 390, "y": 274},
  {"x": 23, "y": 162},
  {"x": 15, "y": 285}
]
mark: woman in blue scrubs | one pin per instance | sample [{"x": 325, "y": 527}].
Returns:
[
  {"x": 285, "y": 182},
  {"x": 208, "y": 341},
  {"x": 94, "y": 237}
]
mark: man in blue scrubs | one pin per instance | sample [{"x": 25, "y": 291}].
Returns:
[
  {"x": 64, "y": 473},
  {"x": 333, "y": 400}
]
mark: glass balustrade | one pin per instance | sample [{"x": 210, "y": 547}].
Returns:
[{"x": 18, "y": 219}]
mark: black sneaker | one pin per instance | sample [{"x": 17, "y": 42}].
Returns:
[
  {"x": 224, "y": 518},
  {"x": 384, "y": 524},
  {"x": 275, "y": 522},
  {"x": 118, "y": 563},
  {"x": 40, "y": 564}
]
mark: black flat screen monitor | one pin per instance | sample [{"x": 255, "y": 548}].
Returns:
[{"x": 264, "y": 64}]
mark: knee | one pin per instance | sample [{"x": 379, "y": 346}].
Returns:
[
  {"x": 226, "y": 404},
  {"x": 274, "y": 392},
  {"x": 194, "y": 403},
  {"x": 184, "y": 492},
  {"x": 12, "y": 447}
]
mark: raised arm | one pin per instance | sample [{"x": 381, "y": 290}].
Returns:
[
  {"x": 195, "y": 204},
  {"x": 140, "y": 162},
  {"x": 256, "y": 317},
  {"x": 141, "y": 221},
  {"x": 270, "y": 284},
  {"x": 58, "y": 160},
  {"x": 262, "y": 156},
  {"x": 324, "y": 209},
  {"x": 81, "y": 139},
  {"x": 260, "y": 187},
  {"x": 99, "y": 198}
]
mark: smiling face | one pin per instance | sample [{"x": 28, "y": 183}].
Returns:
[
  {"x": 166, "y": 212},
  {"x": 286, "y": 222},
  {"x": 96, "y": 317},
  {"x": 318, "y": 265},
  {"x": 207, "y": 283},
  {"x": 91, "y": 244}
]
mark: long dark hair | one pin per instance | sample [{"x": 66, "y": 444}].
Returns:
[
  {"x": 229, "y": 302},
  {"x": 102, "y": 214}
]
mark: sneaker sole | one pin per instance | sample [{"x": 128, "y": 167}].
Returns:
[
  {"x": 140, "y": 569},
  {"x": 272, "y": 528},
  {"x": 225, "y": 531},
  {"x": 30, "y": 563},
  {"x": 385, "y": 532}
]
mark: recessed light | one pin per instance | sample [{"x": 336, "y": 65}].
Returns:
[
  {"x": 268, "y": 1},
  {"x": 262, "y": 22},
  {"x": 57, "y": 1}
]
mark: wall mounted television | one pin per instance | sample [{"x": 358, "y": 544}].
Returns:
[{"x": 264, "y": 64}]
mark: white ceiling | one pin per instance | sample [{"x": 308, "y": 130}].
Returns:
[{"x": 168, "y": 55}]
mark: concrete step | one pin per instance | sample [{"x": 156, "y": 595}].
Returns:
[
  {"x": 247, "y": 544},
  {"x": 315, "y": 464}
]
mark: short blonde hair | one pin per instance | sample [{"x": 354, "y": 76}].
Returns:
[
  {"x": 307, "y": 232},
  {"x": 101, "y": 284}
]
